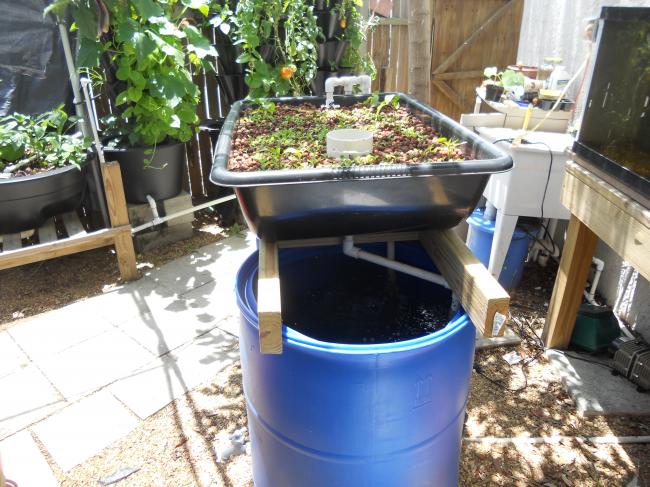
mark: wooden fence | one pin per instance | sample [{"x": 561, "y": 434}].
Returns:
[{"x": 467, "y": 36}]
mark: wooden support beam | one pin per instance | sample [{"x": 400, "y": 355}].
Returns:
[
  {"x": 569, "y": 284},
  {"x": 47, "y": 232},
  {"x": 457, "y": 75},
  {"x": 72, "y": 225},
  {"x": 39, "y": 252},
  {"x": 119, "y": 216},
  {"x": 12, "y": 241},
  {"x": 480, "y": 294},
  {"x": 618, "y": 220},
  {"x": 269, "y": 305},
  {"x": 442, "y": 67}
]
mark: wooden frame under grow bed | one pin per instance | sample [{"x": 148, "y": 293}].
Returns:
[
  {"x": 50, "y": 246},
  {"x": 480, "y": 294}
]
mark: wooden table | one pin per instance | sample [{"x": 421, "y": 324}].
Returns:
[{"x": 598, "y": 211}]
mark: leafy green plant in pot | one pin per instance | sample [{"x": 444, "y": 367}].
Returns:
[
  {"x": 355, "y": 32},
  {"x": 142, "y": 54},
  {"x": 41, "y": 169},
  {"x": 278, "y": 39},
  {"x": 496, "y": 82}
]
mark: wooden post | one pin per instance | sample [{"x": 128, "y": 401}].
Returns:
[
  {"x": 480, "y": 294},
  {"x": 420, "y": 34},
  {"x": 269, "y": 306},
  {"x": 119, "y": 216},
  {"x": 569, "y": 284}
]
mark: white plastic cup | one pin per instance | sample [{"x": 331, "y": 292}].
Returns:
[{"x": 349, "y": 143}]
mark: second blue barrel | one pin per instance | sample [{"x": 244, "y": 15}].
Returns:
[{"x": 350, "y": 402}]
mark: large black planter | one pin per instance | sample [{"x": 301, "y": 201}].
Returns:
[
  {"x": 162, "y": 178},
  {"x": 329, "y": 22},
  {"x": 234, "y": 87},
  {"x": 330, "y": 54},
  {"x": 212, "y": 127},
  {"x": 228, "y": 54},
  {"x": 26, "y": 202}
]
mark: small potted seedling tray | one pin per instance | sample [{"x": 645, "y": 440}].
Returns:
[{"x": 425, "y": 172}]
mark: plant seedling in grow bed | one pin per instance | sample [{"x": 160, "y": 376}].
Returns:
[{"x": 294, "y": 136}]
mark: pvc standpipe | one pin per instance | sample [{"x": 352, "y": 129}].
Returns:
[
  {"x": 355, "y": 252},
  {"x": 348, "y": 83}
]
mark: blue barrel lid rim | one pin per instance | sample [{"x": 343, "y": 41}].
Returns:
[{"x": 248, "y": 306}]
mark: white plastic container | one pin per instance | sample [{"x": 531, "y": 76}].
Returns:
[
  {"x": 559, "y": 78},
  {"x": 349, "y": 143}
]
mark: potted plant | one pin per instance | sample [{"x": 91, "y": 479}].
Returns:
[
  {"x": 496, "y": 82},
  {"x": 354, "y": 34},
  {"x": 143, "y": 55},
  {"x": 40, "y": 169},
  {"x": 423, "y": 169},
  {"x": 278, "y": 40}
]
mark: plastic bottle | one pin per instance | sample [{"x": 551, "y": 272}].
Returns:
[{"x": 559, "y": 78}]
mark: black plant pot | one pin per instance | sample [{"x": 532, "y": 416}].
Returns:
[
  {"x": 493, "y": 92},
  {"x": 234, "y": 87},
  {"x": 270, "y": 53},
  {"x": 26, "y": 202},
  {"x": 330, "y": 53},
  {"x": 162, "y": 178},
  {"x": 329, "y": 23},
  {"x": 228, "y": 54},
  {"x": 212, "y": 127}
]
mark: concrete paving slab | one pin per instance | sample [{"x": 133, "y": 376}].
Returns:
[
  {"x": 509, "y": 338},
  {"x": 157, "y": 384},
  {"x": 595, "y": 390},
  {"x": 231, "y": 324},
  {"x": 95, "y": 363},
  {"x": 165, "y": 329},
  {"x": 84, "y": 429},
  {"x": 24, "y": 463},
  {"x": 26, "y": 396},
  {"x": 215, "y": 262},
  {"x": 12, "y": 358},
  {"x": 52, "y": 332}
]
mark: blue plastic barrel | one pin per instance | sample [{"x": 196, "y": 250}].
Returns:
[
  {"x": 479, "y": 240},
  {"x": 345, "y": 415}
]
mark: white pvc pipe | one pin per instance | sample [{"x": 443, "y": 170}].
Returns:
[
  {"x": 355, "y": 252},
  {"x": 610, "y": 440},
  {"x": 163, "y": 219},
  {"x": 74, "y": 79},
  {"x": 348, "y": 83},
  {"x": 154, "y": 210}
]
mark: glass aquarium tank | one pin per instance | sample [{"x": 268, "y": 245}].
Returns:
[{"x": 614, "y": 138}]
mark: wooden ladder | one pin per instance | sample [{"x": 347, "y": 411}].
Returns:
[{"x": 15, "y": 252}]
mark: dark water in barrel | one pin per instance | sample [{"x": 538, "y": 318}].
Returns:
[{"x": 335, "y": 298}]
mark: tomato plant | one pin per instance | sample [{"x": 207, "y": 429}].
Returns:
[{"x": 143, "y": 53}]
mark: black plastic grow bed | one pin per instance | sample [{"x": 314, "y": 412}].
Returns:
[{"x": 311, "y": 203}]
